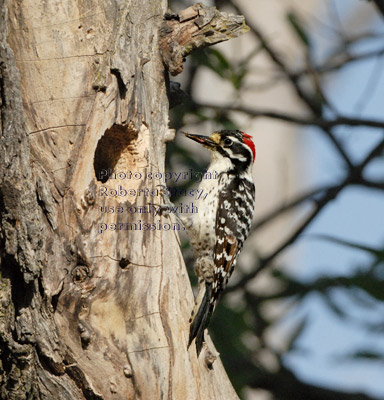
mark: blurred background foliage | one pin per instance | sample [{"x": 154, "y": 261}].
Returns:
[{"x": 243, "y": 320}]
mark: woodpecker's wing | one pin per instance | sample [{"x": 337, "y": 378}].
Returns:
[
  {"x": 226, "y": 250},
  {"x": 226, "y": 247},
  {"x": 233, "y": 222}
]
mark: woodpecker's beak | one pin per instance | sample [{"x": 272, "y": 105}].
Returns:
[{"x": 204, "y": 140}]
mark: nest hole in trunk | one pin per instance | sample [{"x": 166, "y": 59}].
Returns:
[{"x": 113, "y": 152}]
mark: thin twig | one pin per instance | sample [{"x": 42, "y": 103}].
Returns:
[
  {"x": 288, "y": 206},
  {"x": 332, "y": 66},
  {"x": 320, "y": 122},
  {"x": 265, "y": 261},
  {"x": 306, "y": 98}
]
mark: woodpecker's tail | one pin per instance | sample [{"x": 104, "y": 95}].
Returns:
[{"x": 200, "y": 319}]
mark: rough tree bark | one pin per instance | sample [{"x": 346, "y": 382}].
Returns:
[{"x": 85, "y": 314}]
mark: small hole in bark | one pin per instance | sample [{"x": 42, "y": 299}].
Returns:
[
  {"x": 110, "y": 149},
  {"x": 124, "y": 262}
]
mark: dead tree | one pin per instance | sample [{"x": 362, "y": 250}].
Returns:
[{"x": 95, "y": 298}]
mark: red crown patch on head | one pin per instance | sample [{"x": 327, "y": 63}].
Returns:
[{"x": 249, "y": 142}]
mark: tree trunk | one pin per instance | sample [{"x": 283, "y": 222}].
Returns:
[{"x": 92, "y": 306}]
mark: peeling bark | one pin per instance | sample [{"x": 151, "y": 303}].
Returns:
[
  {"x": 84, "y": 314},
  {"x": 196, "y": 27}
]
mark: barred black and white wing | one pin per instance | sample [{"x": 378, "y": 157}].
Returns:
[{"x": 233, "y": 223}]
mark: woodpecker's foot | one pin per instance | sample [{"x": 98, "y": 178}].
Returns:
[
  {"x": 168, "y": 207},
  {"x": 204, "y": 268}
]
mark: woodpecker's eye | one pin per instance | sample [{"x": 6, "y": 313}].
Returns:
[{"x": 227, "y": 142}]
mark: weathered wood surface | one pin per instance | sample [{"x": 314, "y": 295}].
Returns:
[
  {"x": 196, "y": 27},
  {"x": 86, "y": 314}
]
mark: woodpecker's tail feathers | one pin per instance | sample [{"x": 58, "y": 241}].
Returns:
[{"x": 200, "y": 319}]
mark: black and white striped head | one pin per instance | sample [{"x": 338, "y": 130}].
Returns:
[{"x": 233, "y": 148}]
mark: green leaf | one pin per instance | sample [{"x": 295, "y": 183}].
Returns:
[
  {"x": 217, "y": 62},
  {"x": 298, "y": 28}
]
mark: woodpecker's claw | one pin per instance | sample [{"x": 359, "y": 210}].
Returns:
[
  {"x": 168, "y": 206},
  {"x": 165, "y": 208}
]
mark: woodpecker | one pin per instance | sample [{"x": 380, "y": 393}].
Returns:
[{"x": 221, "y": 225}]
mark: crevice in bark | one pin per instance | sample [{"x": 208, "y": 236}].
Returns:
[
  {"x": 120, "y": 82},
  {"x": 22, "y": 292},
  {"x": 114, "y": 146},
  {"x": 44, "y": 209},
  {"x": 5, "y": 357},
  {"x": 128, "y": 372},
  {"x": 41, "y": 288},
  {"x": 48, "y": 364},
  {"x": 55, "y": 299},
  {"x": 81, "y": 381},
  {"x": 2, "y": 98}
]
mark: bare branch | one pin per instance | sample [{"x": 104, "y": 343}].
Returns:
[
  {"x": 317, "y": 121},
  {"x": 375, "y": 152},
  {"x": 346, "y": 60},
  {"x": 330, "y": 194},
  {"x": 288, "y": 206},
  {"x": 380, "y": 6},
  {"x": 307, "y": 98}
]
